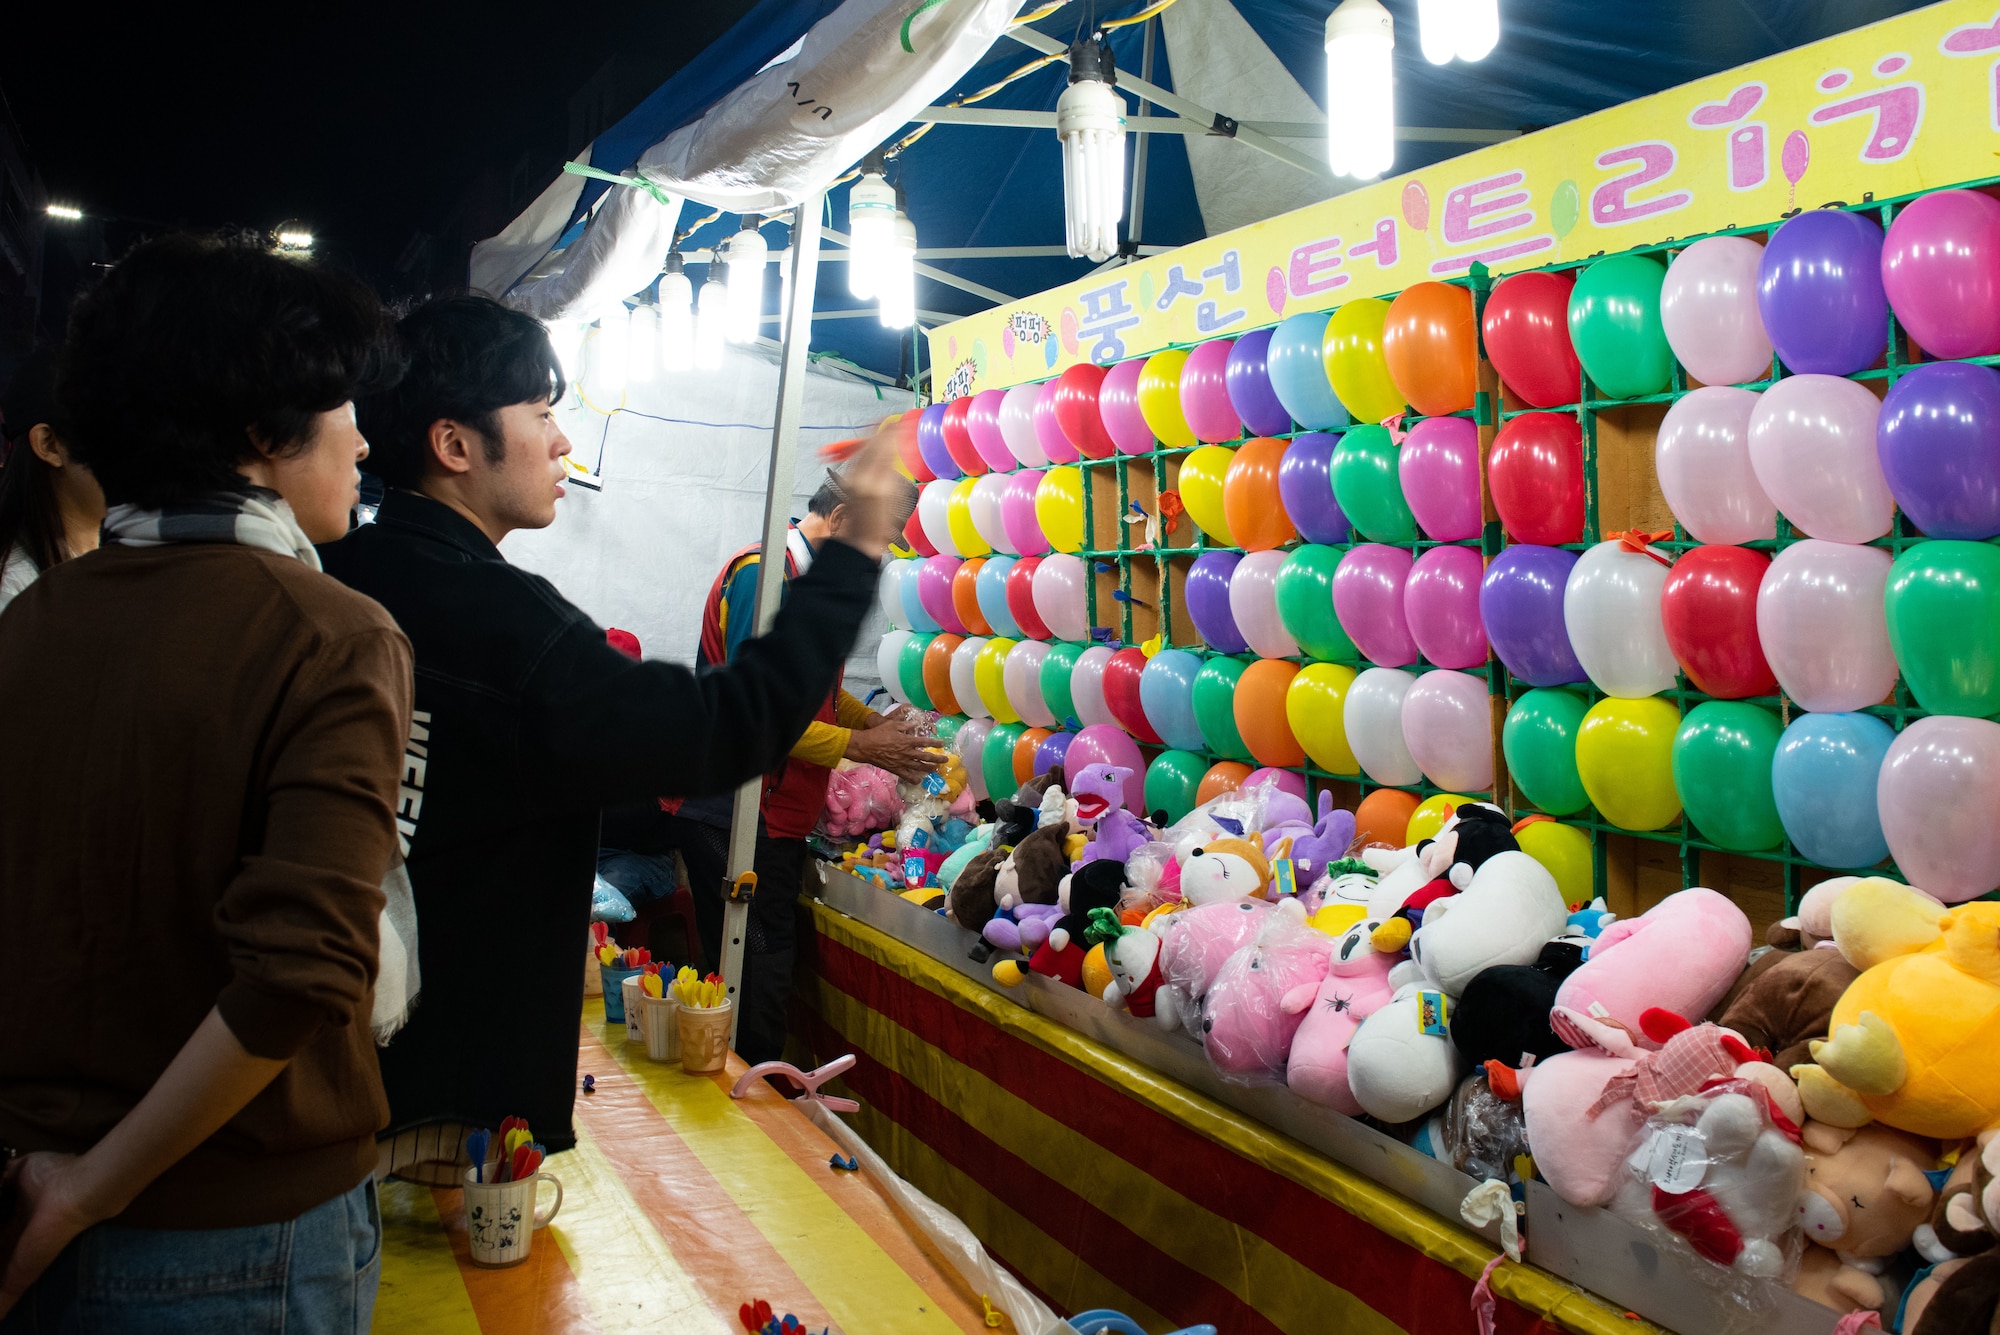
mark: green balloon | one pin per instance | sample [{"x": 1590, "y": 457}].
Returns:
[
  {"x": 947, "y": 727},
  {"x": 1304, "y": 591},
  {"x": 910, "y": 668},
  {"x": 1215, "y": 707},
  {"x": 1056, "y": 667},
  {"x": 1171, "y": 782},
  {"x": 1614, "y": 321},
  {"x": 1539, "y": 741},
  {"x": 996, "y": 762},
  {"x": 1565, "y": 208},
  {"x": 1943, "y": 604},
  {"x": 1722, "y": 771},
  {"x": 1367, "y": 487}
]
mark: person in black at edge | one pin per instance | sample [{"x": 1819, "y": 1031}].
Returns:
[{"x": 528, "y": 723}]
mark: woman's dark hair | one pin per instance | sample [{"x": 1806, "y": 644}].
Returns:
[
  {"x": 30, "y": 515},
  {"x": 467, "y": 357},
  {"x": 193, "y": 344}
]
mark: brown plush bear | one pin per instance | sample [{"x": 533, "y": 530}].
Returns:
[
  {"x": 1966, "y": 1296},
  {"x": 974, "y": 899},
  {"x": 1033, "y": 872},
  {"x": 1785, "y": 1000}
]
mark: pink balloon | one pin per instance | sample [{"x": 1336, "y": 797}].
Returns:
[
  {"x": 970, "y": 740},
  {"x": 1441, "y": 606},
  {"x": 1086, "y": 689},
  {"x": 1439, "y": 469},
  {"x": 1709, "y": 307},
  {"x": 1368, "y": 591},
  {"x": 1048, "y": 433},
  {"x": 1284, "y": 780},
  {"x": 1017, "y": 515},
  {"x": 1107, "y": 744},
  {"x": 1702, "y": 456},
  {"x": 988, "y": 493},
  {"x": 1448, "y": 726},
  {"x": 1253, "y": 603},
  {"x": 1821, "y": 621},
  {"x": 1060, "y": 598},
  {"x": 982, "y": 419},
  {"x": 1017, "y": 425},
  {"x": 1936, "y": 792},
  {"x": 1812, "y": 445},
  {"x": 1941, "y": 269},
  {"x": 934, "y": 591},
  {"x": 1118, "y": 405},
  {"x": 1205, "y": 393},
  {"x": 1021, "y": 678}
]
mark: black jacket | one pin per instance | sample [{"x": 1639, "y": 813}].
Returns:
[{"x": 527, "y": 723}]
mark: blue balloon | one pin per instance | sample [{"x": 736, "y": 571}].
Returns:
[
  {"x": 913, "y": 606},
  {"x": 1166, "y": 693},
  {"x": 991, "y": 589},
  {"x": 1297, "y": 368},
  {"x": 1823, "y": 776}
]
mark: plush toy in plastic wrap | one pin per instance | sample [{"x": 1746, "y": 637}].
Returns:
[
  {"x": 1477, "y": 1132},
  {"x": 1867, "y": 1193},
  {"x": 1261, "y": 995},
  {"x": 860, "y": 799},
  {"x": 608, "y": 903},
  {"x": 1194, "y": 945},
  {"x": 1356, "y": 986}
]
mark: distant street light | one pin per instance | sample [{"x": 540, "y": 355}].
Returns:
[
  {"x": 294, "y": 238},
  {"x": 65, "y": 212}
]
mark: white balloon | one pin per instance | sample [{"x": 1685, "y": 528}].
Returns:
[
  {"x": 1017, "y": 425},
  {"x": 1373, "y": 715},
  {"x": 1086, "y": 687},
  {"x": 1253, "y": 605},
  {"x": 889, "y": 593},
  {"x": 933, "y": 513},
  {"x": 985, "y": 507},
  {"x": 1702, "y": 455},
  {"x": 1611, "y": 607},
  {"x": 1058, "y": 586},
  {"x": 888, "y": 658},
  {"x": 964, "y": 685}
]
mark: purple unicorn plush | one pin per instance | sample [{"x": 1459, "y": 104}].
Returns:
[
  {"x": 1327, "y": 844},
  {"x": 1116, "y": 833}
]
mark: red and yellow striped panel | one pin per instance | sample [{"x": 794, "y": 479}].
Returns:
[
  {"x": 680, "y": 1204},
  {"x": 1103, "y": 1184}
]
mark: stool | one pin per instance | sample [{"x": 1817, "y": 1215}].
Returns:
[{"x": 680, "y": 904}]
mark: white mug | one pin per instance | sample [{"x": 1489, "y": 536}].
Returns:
[{"x": 500, "y": 1216}]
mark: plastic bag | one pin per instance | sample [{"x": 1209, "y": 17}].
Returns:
[
  {"x": 1477, "y": 1132},
  {"x": 1261, "y": 996},
  {"x": 608, "y": 903},
  {"x": 1144, "y": 872},
  {"x": 859, "y": 799},
  {"x": 1194, "y": 945}
]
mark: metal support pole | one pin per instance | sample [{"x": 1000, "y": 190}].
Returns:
[
  {"x": 742, "y": 876},
  {"x": 1136, "y": 215}
]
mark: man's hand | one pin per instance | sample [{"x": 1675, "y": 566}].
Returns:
[
  {"x": 43, "y": 1212},
  {"x": 875, "y": 496},
  {"x": 894, "y": 745}
]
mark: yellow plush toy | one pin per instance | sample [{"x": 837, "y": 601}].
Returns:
[{"x": 1913, "y": 1038}]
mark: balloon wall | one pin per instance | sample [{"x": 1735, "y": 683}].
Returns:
[{"x": 1696, "y": 544}]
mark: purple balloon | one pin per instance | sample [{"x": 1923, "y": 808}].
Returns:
[
  {"x": 1249, "y": 384},
  {"x": 1118, "y": 408},
  {"x": 1368, "y": 598},
  {"x": 1052, "y": 750},
  {"x": 1306, "y": 489},
  {"x": 1819, "y": 289},
  {"x": 1939, "y": 441},
  {"x": 930, "y": 443},
  {"x": 1439, "y": 469},
  {"x": 1521, "y": 606},
  {"x": 1108, "y": 744},
  {"x": 1207, "y": 598},
  {"x": 1441, "y": 601}
]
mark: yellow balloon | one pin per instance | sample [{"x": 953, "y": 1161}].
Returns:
[
  {"x": 1314, "y": 705},
  {"x": 1354, "y": 361},
  {"x": 1059, "y": 507},
  {"x": 958, "y": 518},
  {"x": 1159, "y": 391},
  {"x": 1624, "y": 754},
  {"x": 1431, "y": 814},
  {"x": 1201, "y": 490},
  {"x": 1565, "y": 851},
  {"x": 989, "y": 678}
]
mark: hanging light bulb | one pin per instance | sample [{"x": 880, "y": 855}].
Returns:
[
  {"x": 871, "y": 223},
  {"x": 612, "y": 361},
  {"x": 676, "y": 317},
  {"x": 1360, "y": 89},
  {"x": 898, "y": 275},
  {"x": 711, "y": 325},
  {"x": 1467, "y": 29},
  {"x": 1090, "y": 122},
  {"x": 566, "y": 337},
  {"x": 748, "y": 258},
  {"x": 643, "y": 353}
]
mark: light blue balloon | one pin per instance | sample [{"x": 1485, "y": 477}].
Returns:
[
  {"x": 913, "y": 606},
  {"x": 1823, "y": 776},
  {"x": 1297, "y": 367},
  {"x": 991, "y": 589},
  {"x": 1166, "y": 693}
]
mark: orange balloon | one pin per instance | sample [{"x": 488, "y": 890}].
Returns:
[
  {"x": 1431, "y": 343},
  {"x": 1024, "y": 753},
  {"x": 1260, "y": 713},
  {"x": 965, "y": 596},
  {"x": 1384, "y": 817},
  {"x": 1224, "y": 776},
  {"x": 1250, "y": 500},
  {"x": 937, "y": 672}
]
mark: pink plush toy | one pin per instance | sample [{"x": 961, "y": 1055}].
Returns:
[
  {"x": 1194, "y": 945},
  {"x": 859, "y": 799},
  {"x": 1680, "y": 956},
  {"x": 1261, "y": 995},
  {"x": 1356, "y": 986}
]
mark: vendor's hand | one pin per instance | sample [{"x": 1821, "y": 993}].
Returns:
[
  {"x": 896, "y": 748},
  {"x": 44, "y": 1210},
  {"x": 876, "y": 498}
]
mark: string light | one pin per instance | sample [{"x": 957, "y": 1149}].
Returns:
[
  {"x": 1090, "y": 122},
  {"x": 676, "y": 317},
  {"x": 871, "y": 227},
  {"x": 1360, "y": 89},
  {"x": 711, "y": 319},
  {"x": 747, "y": 259},
  {"x": 65, "y": 212},
  {"x": 1467, "y": 29}
]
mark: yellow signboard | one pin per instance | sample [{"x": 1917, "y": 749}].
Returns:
[{"x": 1905, "y": 105}]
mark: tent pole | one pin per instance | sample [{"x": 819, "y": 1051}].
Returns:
[
  {"x": 792, "y": 367},
  {"x": 1136, "y": 226}
]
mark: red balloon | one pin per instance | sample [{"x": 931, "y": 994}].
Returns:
[
  {"x": 904, "y": 425},
  {"x": 1076, "y": 410},
  {"x": 1121, "y": 693},
  {"x": 958, "y": 438},
  {"x": 1536, "y": 476},
  {"x": 1527, "y": 338},
  {"x": 914, "y": 539},
  {"x": 1021, "y": 598},
  {"x": 1709, "y": 606}
]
